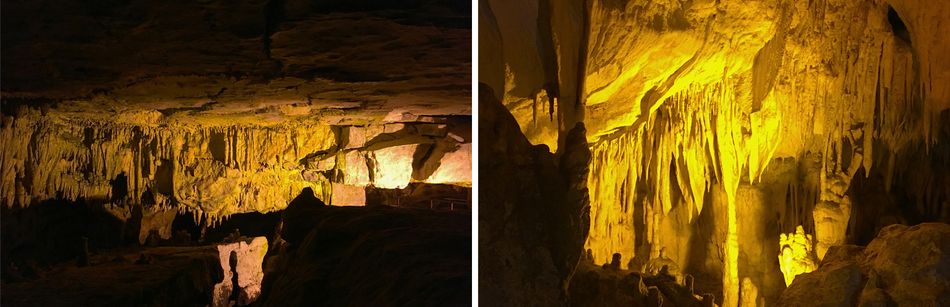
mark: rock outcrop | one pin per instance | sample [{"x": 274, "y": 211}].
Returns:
[
  {"x": 247, "y": 265},
  {"x": 906, "y": 266},
  {"x": 533, "y": 211},
  {"x": 369, "y": 256}
]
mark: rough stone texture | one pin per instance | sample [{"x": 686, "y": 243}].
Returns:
[
  {"x": 370, "y": 256},
  {"x": 392, "y": 166},
  {"x": 612, "y": 286},
  {"x": 119, "y": 119},
  {"x": 906, "y": 266},
  {"x": 913, "y": 263},
  {"x": 250, "y": 258},
  {"x": 533, "y": 212},
  {"x": 835, "y": 283},
  {"x": 357, "y": 169},
  {"x": 210, "y": 172},
  {"x": 157, "y": 221},
  {"x": 358, "y": 136},
  {"x": 688, "y": 103},
  {"x": 348, "y": 195},
  {"x": 247, "y": 61},
  {"x": 217, "y": 108},
  {"x": 454, "y": 167}
]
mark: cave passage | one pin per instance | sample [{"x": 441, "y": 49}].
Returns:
[
  {"x": 735, "y": 153},
  {"x": 152, "y": 153}
]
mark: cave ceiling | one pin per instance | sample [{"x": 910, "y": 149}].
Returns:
[{"x": 221, "y": 62}]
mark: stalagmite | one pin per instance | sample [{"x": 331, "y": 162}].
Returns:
[{"x": 797, "y": 256}]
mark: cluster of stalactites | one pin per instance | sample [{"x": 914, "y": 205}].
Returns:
[
  {"x": 708, "y": 133},
  {"x": 211, "y": 172},
  {"x": 695, "y": 138}
]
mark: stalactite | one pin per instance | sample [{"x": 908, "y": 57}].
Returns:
[
  {"x": 671, "y": 142},
  {"x": 213, "y": 171},
  {"x": 705, "y": 130}
]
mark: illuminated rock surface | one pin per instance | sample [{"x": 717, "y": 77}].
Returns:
[
  {"x": 906, "y": 266},
  {"x": 211, "y": 172},
  {"x": 249, "y": 258},
  {"x": 140, "y": 125},
  {"x": 797, "y": 256},
  {"x": 267, "y": 103},
  {"x": 716, "y": 126}
]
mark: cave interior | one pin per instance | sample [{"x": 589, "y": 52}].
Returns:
[
  {"x": 738, "y": 153},
  {"x": 222, "y": 153}
]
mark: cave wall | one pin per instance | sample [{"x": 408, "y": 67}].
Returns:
[
  {"x": 772, "y": 107},
  {"x": 223, "y": 107},
  {"x": 533, "y": 211},
  {"x": 215, "y": 171}
]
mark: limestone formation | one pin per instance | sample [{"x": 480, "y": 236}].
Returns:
[
  {"x": 206, "y": 171},
  {"x": 662, "y": 264},
  {"x": 797, "y": 256},
  {"x": 248, "y": 257},
  {"x": 171, "y": 135},
  {"x": 731, "y": 122},
  {"x": 218, "y": 108},
  {"x": 904, "y": 265}
]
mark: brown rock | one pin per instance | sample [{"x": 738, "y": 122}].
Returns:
[{"x": 907, "y": 266}]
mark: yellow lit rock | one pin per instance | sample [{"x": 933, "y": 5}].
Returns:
[
  {"x": 210, "y": 171},
  {"x": 392, "y": 166},
  {"x": 249, "y": 256},
  {"x": 684, "y": 101},
  {"x": 796, "y": 255},
  {"x": 455, "y": 167},
  {"x": 348, "y": 195},
  {"x": 357, "y": 169}
]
